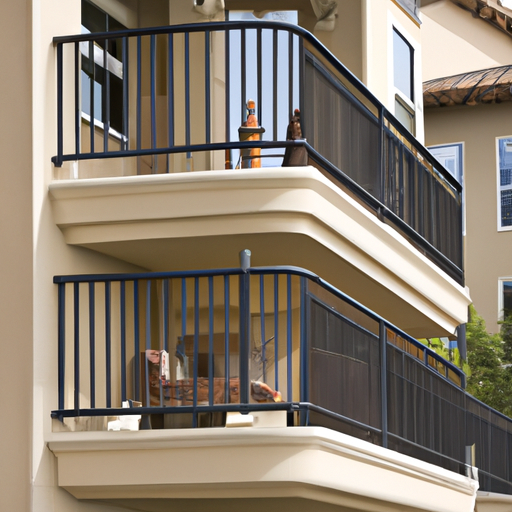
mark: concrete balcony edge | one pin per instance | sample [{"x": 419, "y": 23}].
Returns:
[
  {"x": 113, "y": 214},
  {"x": 307, "y": 462}
]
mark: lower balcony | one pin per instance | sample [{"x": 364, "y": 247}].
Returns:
[{"x": 358, "y": 398}]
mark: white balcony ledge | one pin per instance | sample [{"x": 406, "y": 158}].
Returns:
[
  {"x": 302, "y": 467},
  {"x": 285, "y": 216}
]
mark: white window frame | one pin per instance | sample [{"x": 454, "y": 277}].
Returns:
[
  {"x": 417, "y": 104},
  {"x": 499, "y": 188},
  {"x": 458, "y": 147},
  {"x": 501, "y": 302}
]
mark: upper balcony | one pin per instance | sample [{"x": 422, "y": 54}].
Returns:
[{"x": 365, "y": 205}]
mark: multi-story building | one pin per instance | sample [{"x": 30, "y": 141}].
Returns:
[
  {"x": 467, "y": 103},
  {"x": 157, "y": 254}
]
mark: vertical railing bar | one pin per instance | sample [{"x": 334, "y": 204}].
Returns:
[
  {"x": 170, "y": 89},
  {"x": 126, "y": 100},
  {"x": 274, "y": 84},
  {"x": 302, "y": 85},
  {"x": 245, "y": 312},
  {"x": 139, "y": 92},
  {"x": 276, "y": 330},
  {"x": 210, "y": 340},
  {"x": 243, "y": 81},
  {"x": 148, "y": 340},
  {"x": 152, "y": 73},
  {"x": 166, "y": 286},
  {"x": 78, "y": 110},
  {"x": 60, "y": 106},
  {"x": 196, "y": 349},
  {"x": 183, "y": 308},
  {"x": 259, "y": 64},
  {"x": 106, "y": 98},
  {"x": 289, "y": 396},
  {"x": 207, "y": 85},
  {"x": 76, "y": 336},
  {"x": 91, "y": 95},
  {"x": 62, "y": 342},
  {"x": 382, "y": 157},
  {"x": 92, "y": 344},
  {"x": 262, "y": 324},
  {"x": 304, "y": 348},
  {"x": 383, "y": 382},
  {"x": 108, "y": 348},
  {"x": 227, "y": 97},
  {"x": 136, "y": 340},
  {"x": 290, "y": 73},
  {"x": 187, "y": 91},
  {"x": 123, "y": 338},
  {"x": 226, "y": 340}
]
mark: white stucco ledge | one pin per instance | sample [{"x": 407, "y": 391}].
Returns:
[
  {"x": 493, "y": 502},
  {"x": 311, "y": 463},
  {"x": 286, "y": 216}
]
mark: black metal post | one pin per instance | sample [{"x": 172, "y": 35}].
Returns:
[{"x": 384, "y": 382}]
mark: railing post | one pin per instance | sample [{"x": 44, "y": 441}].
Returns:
[
  {"x": 382, "y": 154},
  {"x": 245, "y": 325},
  {"x": 384, "y": 382},
  {"x": 304, "y": 347},
  {"x": 62, "y": 342},
  {"x": 60, "y": 109},
  {"x": 302, "y": 86}
]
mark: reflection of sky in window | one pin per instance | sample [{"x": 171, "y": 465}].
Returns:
[
  {"x": 251, "y": 58},
  {"x": 402, "y": 61}
]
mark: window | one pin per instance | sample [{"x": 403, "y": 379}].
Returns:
[
  {"x": 403, "y": 80},
  {"x": 504, "y": 183},
  {"x": 450, "y": 156},
  {"x": 505, "y": 297},
  {"x": 94, "y": 73}
]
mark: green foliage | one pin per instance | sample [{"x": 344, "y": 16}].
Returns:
[
  {"x": 490, "y": 380},
  {"x": 506, "y": 336}
]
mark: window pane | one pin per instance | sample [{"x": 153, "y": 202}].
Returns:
[
  {"x": 506, "y": 207},
  {"x": 404, "y": 115},
  {"x": 402, "y": 64},
  {"x": 505, "y": 181},
  {"x": 507, "y": 297}
]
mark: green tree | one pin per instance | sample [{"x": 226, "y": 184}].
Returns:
[{"x": 490, "y": 380}]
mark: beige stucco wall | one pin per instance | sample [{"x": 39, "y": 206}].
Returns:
[
  {"x": 33, "y": 251},
  {"x": 487, "y": 251},
  {"x": 16, "y": 349},
  {"x": 456, "y": 42}
]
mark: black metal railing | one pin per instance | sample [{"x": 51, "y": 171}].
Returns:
[
  {"x": 172, "y": 99},
  {"x": 222, "y": 329}
]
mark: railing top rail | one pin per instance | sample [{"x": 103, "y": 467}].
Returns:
[
  {"x": 272, "y": 25},
  {"x": 286, "y": 270}
]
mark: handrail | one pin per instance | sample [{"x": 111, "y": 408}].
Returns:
[{"x": 281, "y": 270}]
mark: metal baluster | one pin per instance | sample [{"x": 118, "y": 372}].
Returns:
[
  {"x": 123, "y": 339},
  {"x": 108, "y": 351},
  {"x": 207, "y": 86},
  {"x": 226, "y": 340},
  {"x": 92, "y": 344},
  {"x": 210, "y": 341},
  {"x": 136, "y": 341},
  {"x": 76, "y": 354}
]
